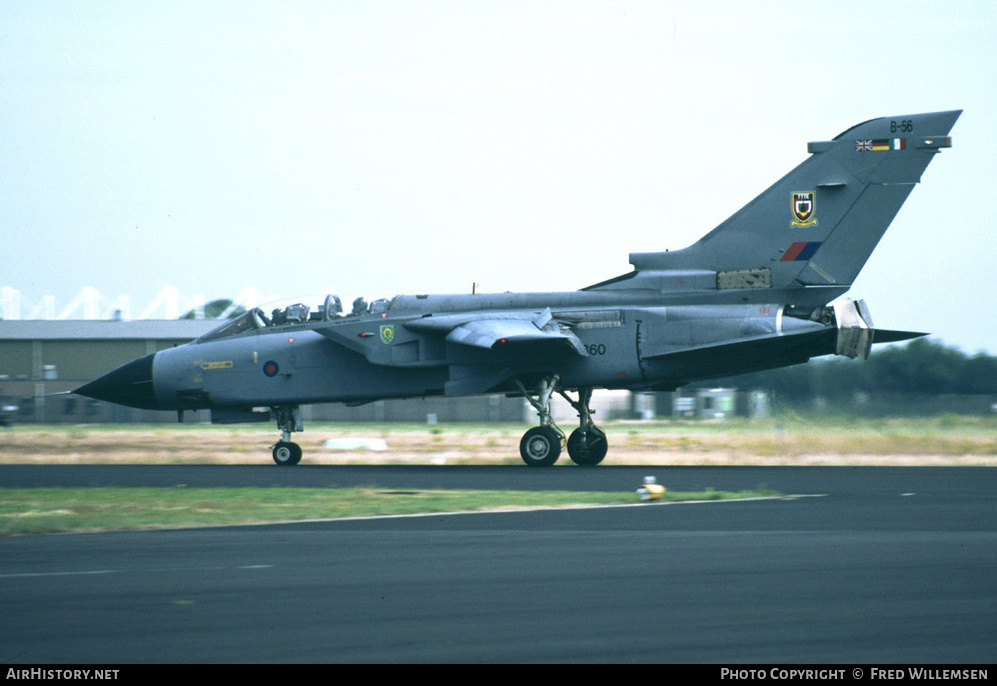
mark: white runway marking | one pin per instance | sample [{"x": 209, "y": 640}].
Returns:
[{"x": 94, "y": 572}]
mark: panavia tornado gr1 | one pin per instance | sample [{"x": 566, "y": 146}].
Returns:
[{"x": 760, "y": 291}]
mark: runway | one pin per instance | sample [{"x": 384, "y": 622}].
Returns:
[{"x": 881, "y": 565}]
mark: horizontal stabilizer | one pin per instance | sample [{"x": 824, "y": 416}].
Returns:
[
  {"x": 768, "y": 351},
  {"x": 770, "y": 346}
]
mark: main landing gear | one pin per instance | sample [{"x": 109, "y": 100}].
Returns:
[
  {"x": 587, "y": 445},
  {"x": 541, "y": 445},
  {"x": 286, "y": 453}
]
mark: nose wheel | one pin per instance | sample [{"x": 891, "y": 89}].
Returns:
[{"x": 285, "y": 452}]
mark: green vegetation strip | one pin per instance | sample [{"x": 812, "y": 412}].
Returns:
[{"x": 51, "y": 510}]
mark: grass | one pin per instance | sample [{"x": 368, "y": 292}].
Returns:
[
  {"x": 52, "y": 510},
  {"x": 784, "y": 439}
]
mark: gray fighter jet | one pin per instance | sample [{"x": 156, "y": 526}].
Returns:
[{"x": 752, "y": 294}]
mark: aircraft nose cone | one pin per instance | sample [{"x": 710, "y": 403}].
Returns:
[{"x": 130, "y": 385}]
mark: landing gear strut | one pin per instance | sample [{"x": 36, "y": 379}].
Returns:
[
  {"x": 541, "y": 446},
  {"x": 286, "y": 453},
  {"x": 587, "y": 444}
]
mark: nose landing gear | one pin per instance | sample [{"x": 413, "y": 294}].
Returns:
[{"x": 285, "y": 452}]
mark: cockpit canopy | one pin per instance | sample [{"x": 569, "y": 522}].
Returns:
[
  {"x": 298, "y": 313},
  {"x": 250, "y": 321}
]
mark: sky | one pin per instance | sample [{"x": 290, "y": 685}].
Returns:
[{"x": 373, "y": 148}]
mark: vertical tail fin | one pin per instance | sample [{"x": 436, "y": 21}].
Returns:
[{"x": 818, "y": 225}]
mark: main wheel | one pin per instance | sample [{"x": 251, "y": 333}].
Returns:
[
  {"x": 541, "y": 446},
  {"x": 587, "y": 447},
  {"x": 286, "y": 454}
]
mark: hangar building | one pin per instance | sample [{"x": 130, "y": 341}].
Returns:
[
  {"x": 39, "y": 358},
  {"x": 42, "y": 358}
]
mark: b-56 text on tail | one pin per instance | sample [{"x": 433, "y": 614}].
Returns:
[{"x": 752, "y": 294}]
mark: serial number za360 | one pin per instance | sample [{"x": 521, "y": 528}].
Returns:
[
  {"x": 902, "y": 126},
  {"x": 596, "y": 349}
]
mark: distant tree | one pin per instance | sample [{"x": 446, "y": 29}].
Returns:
[
  {"x": 980, "y": 374},
  {"x": 215, "y": 309},
  {"x": 925, "y": 366}
]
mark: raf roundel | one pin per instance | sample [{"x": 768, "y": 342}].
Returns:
[{"x": 270, "y": 368}]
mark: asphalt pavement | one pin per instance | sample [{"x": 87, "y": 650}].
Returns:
[{"x": 855, "y": 565}]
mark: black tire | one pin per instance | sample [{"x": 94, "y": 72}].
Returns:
[
  {"x": 587, "y": 448},
  {"x": 541, "y": 446},
  {"x": 286, "y": 454}
]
